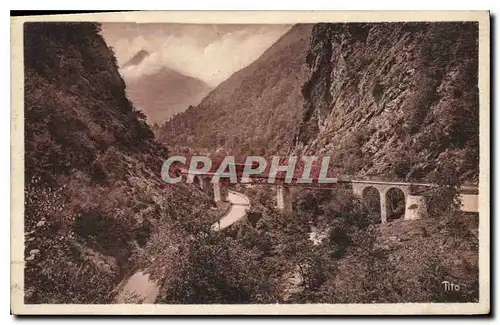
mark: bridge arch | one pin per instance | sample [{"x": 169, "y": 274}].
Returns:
[
  {"x": 383, "y": 188},
  {"x": 396, "y": 198},
  {"x": 371, "y": 199}
]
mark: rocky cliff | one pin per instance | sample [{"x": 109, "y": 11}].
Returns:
[{"x": 393, "y": 100}]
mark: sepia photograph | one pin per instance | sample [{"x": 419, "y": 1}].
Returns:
[{"x": 251, "y": 163}]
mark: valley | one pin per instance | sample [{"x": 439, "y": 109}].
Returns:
[{"x": 395, "y": 106}]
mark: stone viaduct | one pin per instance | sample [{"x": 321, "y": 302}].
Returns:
[{"x": 415, "y": 206}]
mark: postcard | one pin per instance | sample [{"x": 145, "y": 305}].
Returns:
[{"x": 289, "y": 163}]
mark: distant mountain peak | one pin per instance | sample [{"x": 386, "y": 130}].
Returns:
[
  {"x": 164, "y": 93},
  {"x": 137, "y": 58}
]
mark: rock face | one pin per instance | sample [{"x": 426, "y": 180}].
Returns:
[
  {"x": 256, "y": 110},
  {"x": 394, "y": 100}
]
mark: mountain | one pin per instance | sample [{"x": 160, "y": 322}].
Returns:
[
  {"x": 95, "y": 204},
  {"x": 161, "y": 92},
  {"x": 136, "y": 59},
  {"x": 385, "y": 100},
  {"x": 165, "y": 93},
  {"x": 258, "y": 107}
]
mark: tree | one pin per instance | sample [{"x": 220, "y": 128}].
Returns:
[{"x": 216, "y": 269}]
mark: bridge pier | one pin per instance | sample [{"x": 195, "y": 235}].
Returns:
[
  {"x": 283, "y": 198},
  {"x": 220, "y": 193},
  {"x": 205, "y": 181},
  {"x": 357, "y": 189},
  {"x": 383, "y": 206},
  {"x": 416, "y": 207},
  {"x": 199, "y": 180}
]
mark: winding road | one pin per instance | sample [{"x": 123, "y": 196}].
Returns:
[
  {"x": 240, "y": 204},
  {"x": 139, "y": 288}
]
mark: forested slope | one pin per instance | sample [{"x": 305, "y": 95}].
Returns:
[
  {"x": 94, "y": 198},
  {"x": 256, "y": 110}
]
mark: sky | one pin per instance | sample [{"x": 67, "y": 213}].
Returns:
[{"x": 211, "y": 53}]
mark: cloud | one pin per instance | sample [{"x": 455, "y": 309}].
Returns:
[
  {"x": 148, "y": 66},
  {"x": 211, "y": 53}
]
